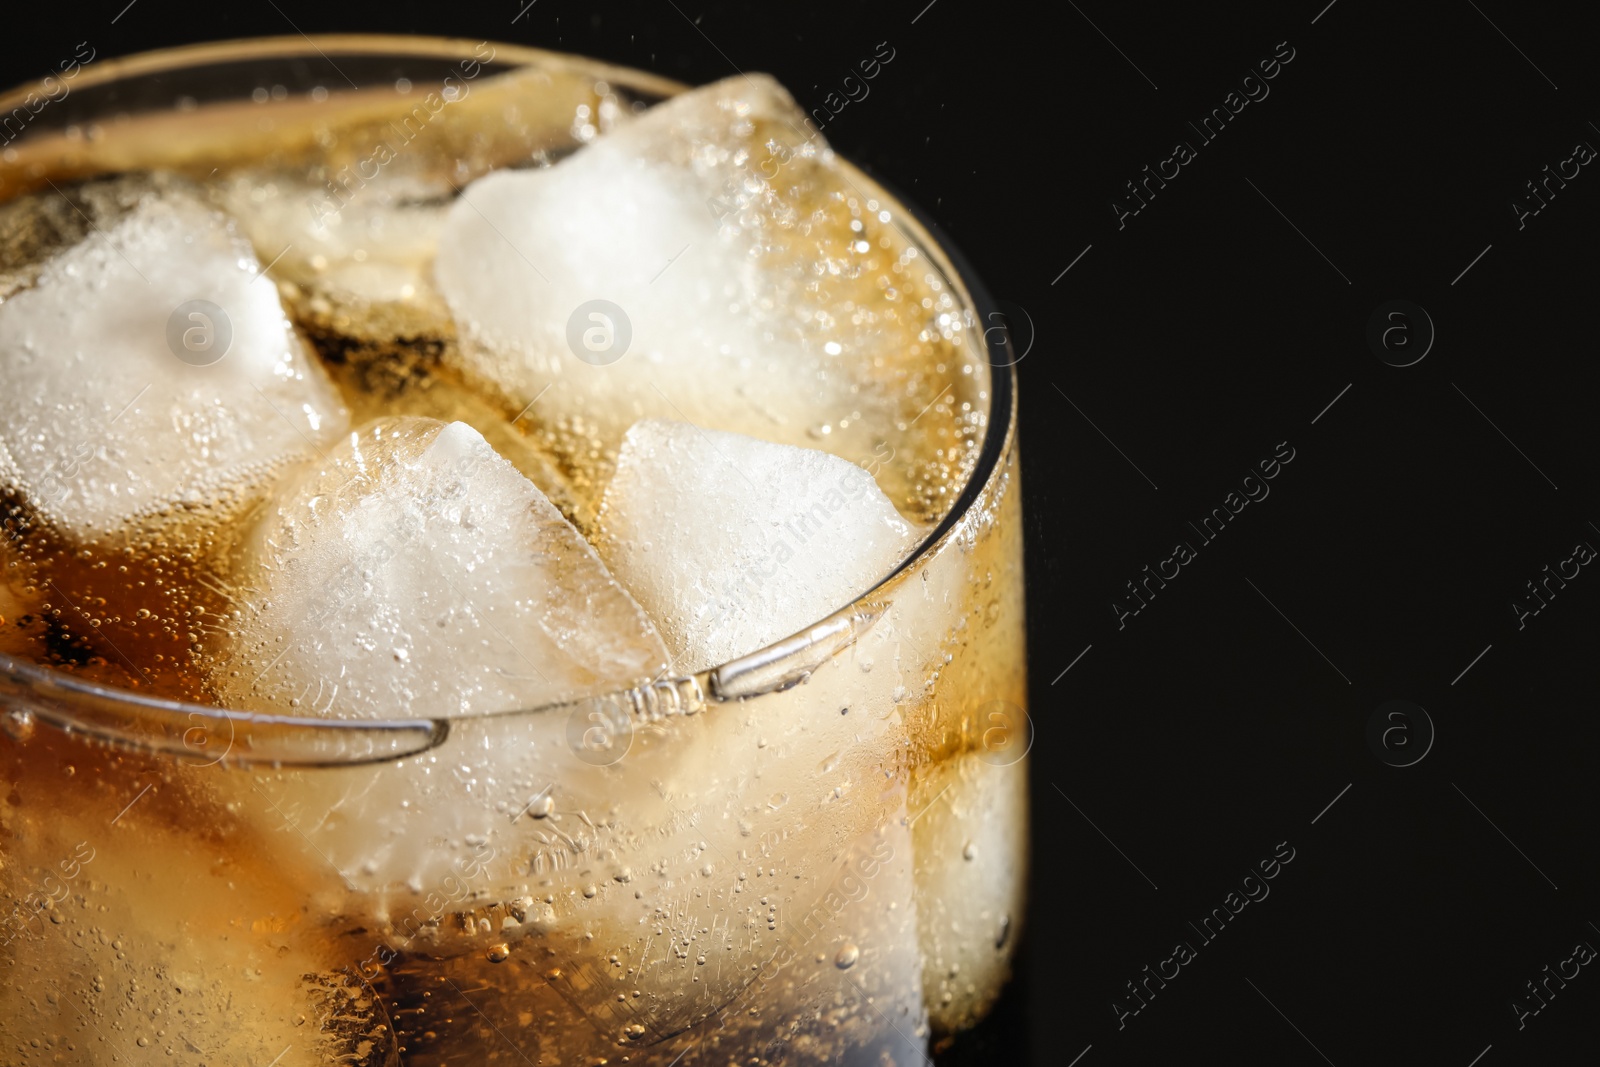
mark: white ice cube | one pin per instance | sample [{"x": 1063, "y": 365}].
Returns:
[
  {"x": 606, "y": 275},
  {"x": 709, "y": 262},
  {"x": 415, "y": 572},
  {"x": 732, "y": 543},
  {"x": 149, "y": 365}
]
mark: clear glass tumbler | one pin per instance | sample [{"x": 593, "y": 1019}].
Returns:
[{"x": 813, "y": 853}]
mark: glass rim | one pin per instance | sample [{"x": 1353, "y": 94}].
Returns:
[{"x": 69, "y": 702}]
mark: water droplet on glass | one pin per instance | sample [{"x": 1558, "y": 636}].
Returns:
[
  {"x": 498, "y": 953},
  {"x": 970, "y": 852},
  {"x": 847, "y": 956}
]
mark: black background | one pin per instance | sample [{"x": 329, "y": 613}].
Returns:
[{"x": 1216, "y": 323}]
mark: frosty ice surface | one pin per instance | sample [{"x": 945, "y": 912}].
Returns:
[
  {"x": 412, "y": 571},
  {"x": 209, "y": 384},
  {"x": 733, "y": 543}
]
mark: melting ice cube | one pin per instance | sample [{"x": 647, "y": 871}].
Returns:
[
  {"x": 148, "y": 365},
  {"x": 732, "y": 543},
  {"x": 414, "y": 572}
]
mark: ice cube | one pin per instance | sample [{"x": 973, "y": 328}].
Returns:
[
  {"x": 603, "y": 277},
  {"x": 732, "y": 543},
  {"x": 971, "y": 881},
  {"x": 148, "y": 365},
  {"x": 414, "y": 572},
  {"x": 712, "y": 262}
]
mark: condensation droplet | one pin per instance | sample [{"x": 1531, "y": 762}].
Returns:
[
  {"x": 847, "y": 956},
  {"x": 498, "y": 953}
]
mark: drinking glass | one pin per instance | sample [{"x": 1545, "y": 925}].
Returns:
[{"x": 815, "y": 852}]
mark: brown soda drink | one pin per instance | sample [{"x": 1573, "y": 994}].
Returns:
[{"x": 506, "y": 560}]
